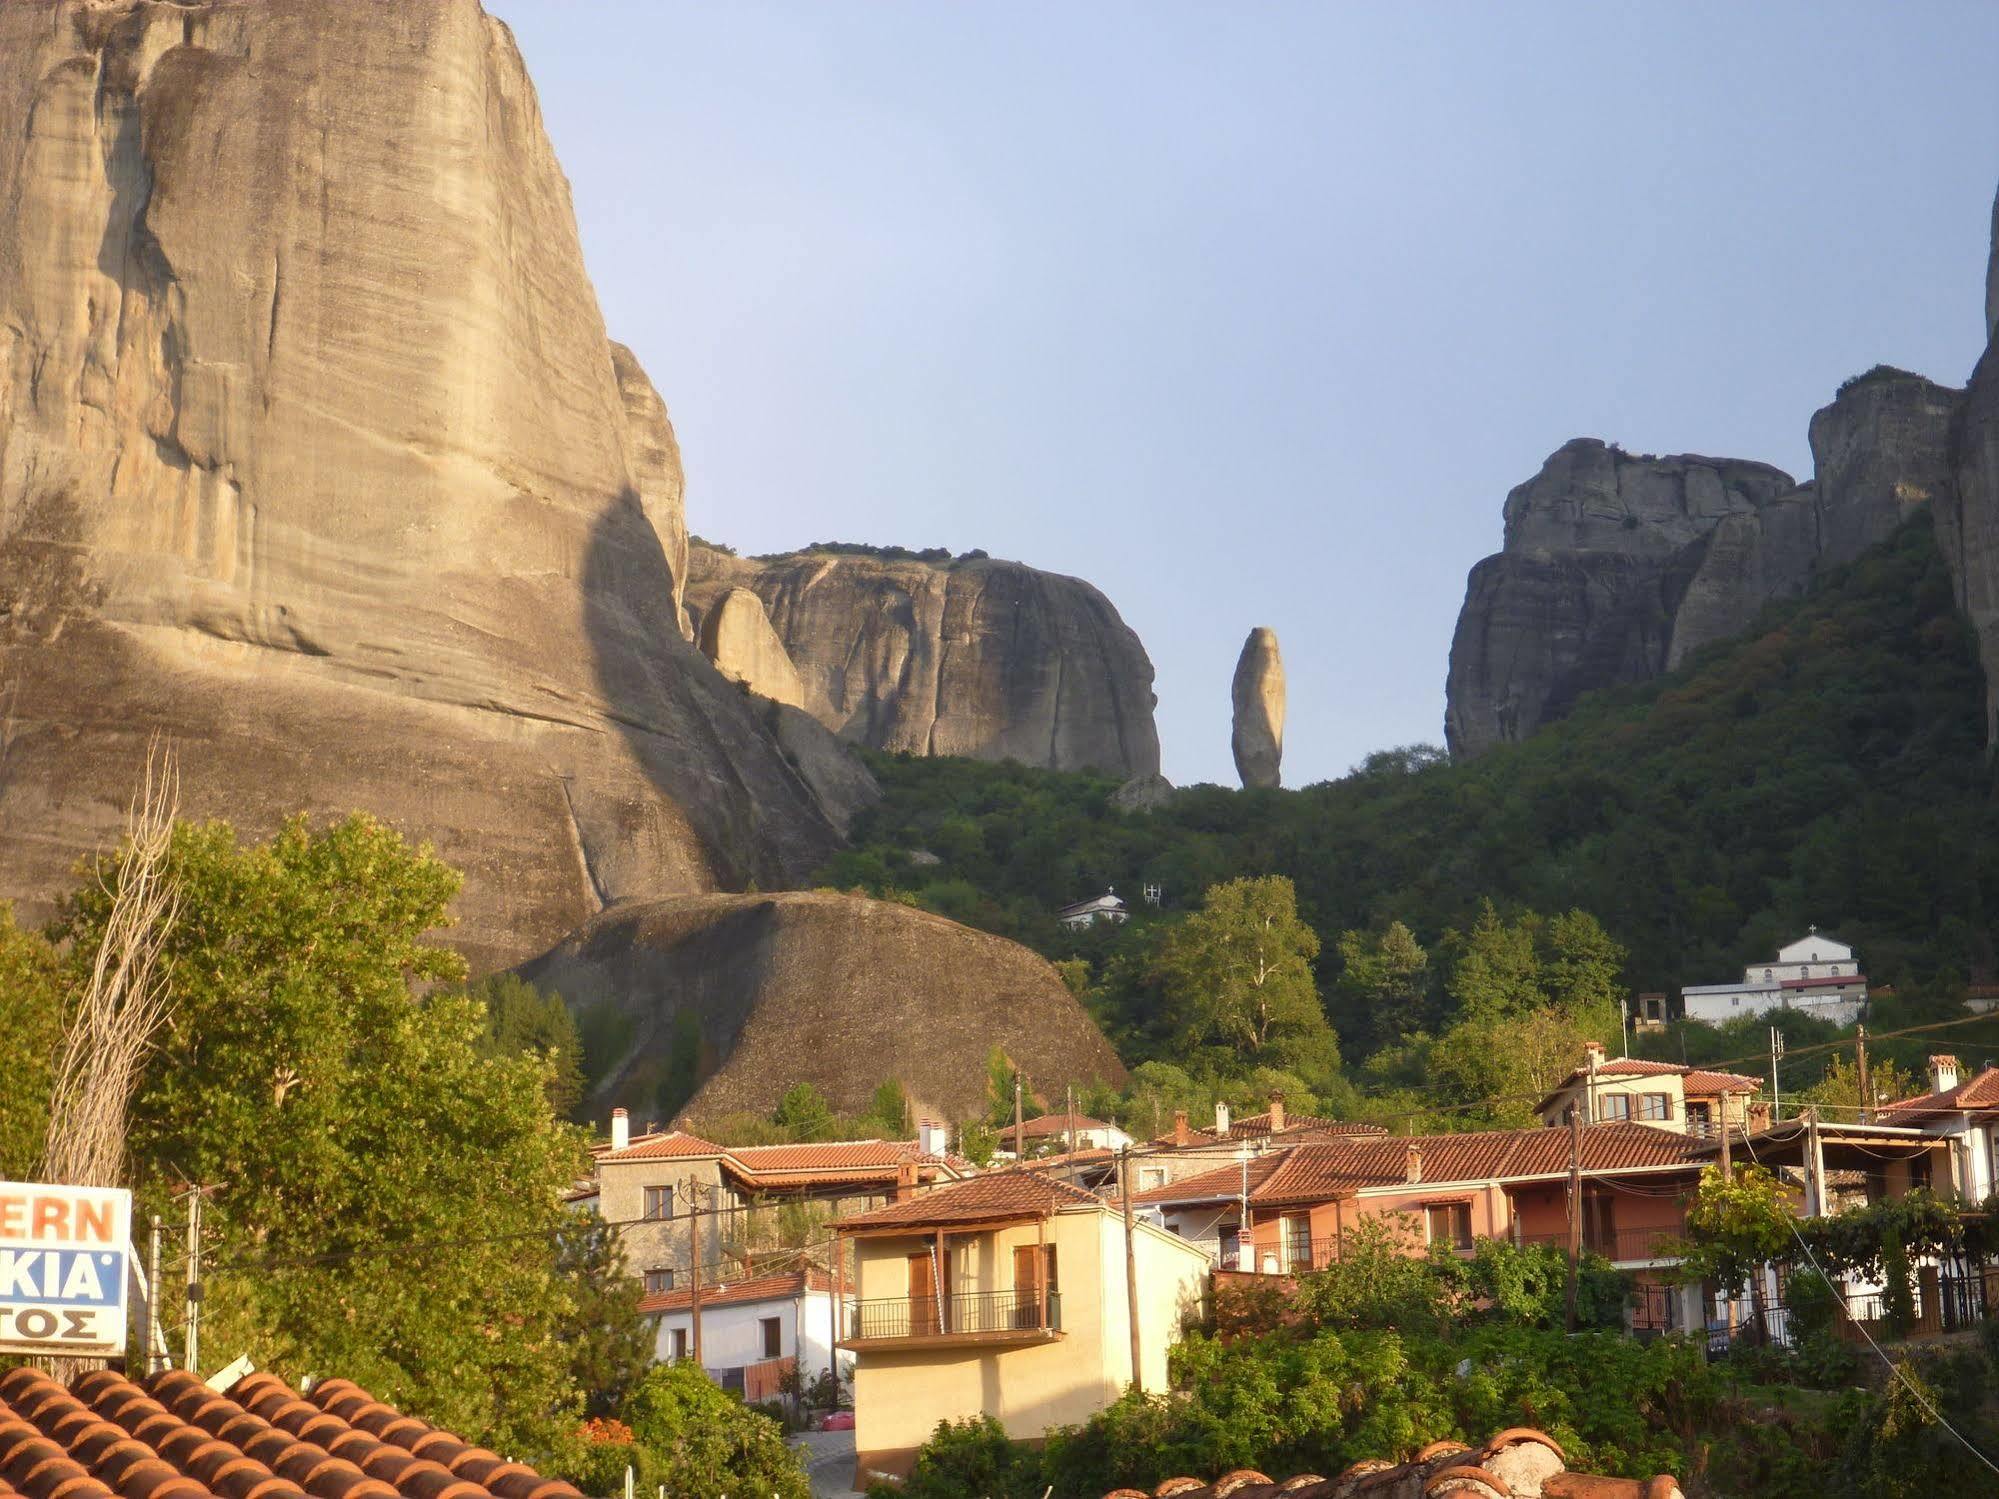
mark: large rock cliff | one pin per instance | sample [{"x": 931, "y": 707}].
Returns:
[
  {"x": 719, "y": 1003},
  {"x": 1256, "y": 701},
  {"x": 315, "y": 457},
  {"x": 967, "y": 656},
  {"x": 1616, "y": 567}
]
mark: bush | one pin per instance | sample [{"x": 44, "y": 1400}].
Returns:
[
  {"x": 693, "y": 1437},
  {"x": 973, "y": 1456}
]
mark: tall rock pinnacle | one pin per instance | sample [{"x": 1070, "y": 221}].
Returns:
[{"x": 1258, "y": 698}]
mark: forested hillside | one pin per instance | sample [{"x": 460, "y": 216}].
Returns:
[{"x": 1826, "y": 768}]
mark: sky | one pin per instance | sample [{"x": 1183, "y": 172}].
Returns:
[{"x": 1251, "y": 314}]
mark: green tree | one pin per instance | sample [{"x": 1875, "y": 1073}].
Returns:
[
  {"x": 1239, "y": 972},
  {"x": 695, "y": 1438},
  {"x": 521, "y": 1018},
  {"x": 1497, "y": 975},
  {"x": 386, "y": 1191},
  {"x": 1383, "y": 986},
  {"x": 610, "y": 1346},
  {"x": 1838, "y": 1092},
  {"x": 888, "y": 1114},
  {"x": 804, "y": 1114},
  {"x": 30, "y": 1026}
]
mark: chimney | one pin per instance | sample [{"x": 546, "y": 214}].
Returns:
[
  {"x": 932, "y": 1138},
  {"x": 905, "y": 1181},
  {"x": 1413, "y": 1166},
  {"x": 1276, "y": 1112},
  {"x": 1221, "y": 1117},
  {"x": 1943, "y": 1073},
  {"x": 1181, "y": 1135},
  {"x": 1592, "y": 1052},
  {"x": 621, "y": 1129}
]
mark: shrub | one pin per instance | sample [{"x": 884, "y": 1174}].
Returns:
[{"x": 973, "y": 1456}]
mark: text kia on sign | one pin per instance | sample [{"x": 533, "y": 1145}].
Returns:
[{"x": 64, "y": 1255}]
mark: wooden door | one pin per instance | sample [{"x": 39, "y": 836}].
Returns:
[
  {"x": 923, "y": 1298},
  {"x": 1033, "y": 1264}
]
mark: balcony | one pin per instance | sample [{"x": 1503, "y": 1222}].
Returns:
[
  {"x": 1620, "y": 1246},
  {"x": 964, "y": 1320}
]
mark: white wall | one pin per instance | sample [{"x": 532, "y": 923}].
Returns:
[{"x": 733, "y": 1335}]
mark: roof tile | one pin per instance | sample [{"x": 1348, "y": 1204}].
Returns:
[{"x": 1017, "y": 1192}]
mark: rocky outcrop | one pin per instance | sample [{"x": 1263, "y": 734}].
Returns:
[
  {"x": 736, "y": 635},
  {"x": 967, "y": 656},
  {"x": 1617, "y": 568},
  {"x": 722, "y": 1002},
  {"x": 1601, "y": 547},
  {"x": 315, "y": 457},
  {"x": 1968, "y": 526},
  {"x": 1257, "y": 697}
]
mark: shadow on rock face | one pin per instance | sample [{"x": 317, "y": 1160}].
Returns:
[{"x": 699, "y": 738}]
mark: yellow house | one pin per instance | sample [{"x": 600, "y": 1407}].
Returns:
[
  {"x": 1666, "y": 1095},
  {"x": 1005, "y": 1295}
]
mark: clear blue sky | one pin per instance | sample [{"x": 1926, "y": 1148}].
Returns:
[{"x": 1252, "y": 313}]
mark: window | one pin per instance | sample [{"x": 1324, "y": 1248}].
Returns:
[
  {"x": 658, "y": 1202},
  {"x": 1766, "y": 975},
  {"x": 773, "y": 1335},
  {"x": 1599, "y": 1235},
  {"x": 1700, "y": 1119},
  {"x": 679, "y": 1338},
  {"x": 1449, "y": 1223},
  {"x": 1655, "y": 1106},
  {"x": 1230, "y": 1247},
  {"x": 1150, "y": 1177},
  {"x": 1614, "y": 1106},
  {"x": 1035, "y": 1280},
  {"x": 1297, "y": 1241},
  {"x": 658, "y": 1281}
]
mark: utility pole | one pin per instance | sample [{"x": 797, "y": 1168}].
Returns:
[
  {"x": 1866, "y": 1093},
  {"x": 1019, "y": 1124},
  {"x": 191, "y": 1353},
  {"x": 694, "y": 1257},
  {"x": 1575, "y": 1207},
  {"x": 1130, "y": 1269},
  {"x": 155, "y": 1337},
  {"x": 1815, "y": 1166},
  {"x": 1776, "y": 1051},
  {"x": 1069, "y": 1102}
]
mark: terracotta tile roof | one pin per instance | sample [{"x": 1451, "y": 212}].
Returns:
[
  {"x": 1517, "y": 1464},
  {"x": 1056, "y": 1124},
  {"x": 1223, "y": 1183},
  {"x": 1980, "y": 1092},
  {"x": 788, "y": 1285},
  {"x": 1699, "y": 1083},
  {"x": 670, "y": 1145},
  {"x": 172, "y": 1437},
  {"x": 1257, "y": 1127},
  {"x": 1018, "y": 1192},
  {"x": 1320, "y": 1172}
]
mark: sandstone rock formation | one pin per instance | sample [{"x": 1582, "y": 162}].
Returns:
[
  {"x": 743, "y": 996},
  {"x": 1257, "y": 696},
  {"x": 1968, "y": 524},
  {"x": 315, "y": 456},
  {"x": 736, "y": 635},
  {"x": 1142, "y": 794},
  {"x": 1617, "y": 568},
  {"x": 972, "y": 656}
]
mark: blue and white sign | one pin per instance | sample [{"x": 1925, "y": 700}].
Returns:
[{"x": 64, "y": 1267}]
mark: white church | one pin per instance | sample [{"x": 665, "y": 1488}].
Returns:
[{"x": 1814, "y": 975}]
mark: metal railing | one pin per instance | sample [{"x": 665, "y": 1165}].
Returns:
[{"x": 962, "y": 1312}]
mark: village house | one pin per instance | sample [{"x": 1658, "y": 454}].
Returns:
[
  {"x": 1305, "y": 1202},
  {"x": 1108, "y": 907},
  {"x": 748, "y": 1200},
  {"x": 1007, "y": 1296},
  {"x": 755, "y": 1333},
  {"x": 1963, "y": 1111},
  {"x": 1690, "y": 1100},
  {"x": 1189, "y": 1151},
  {"x": 1816, "y": 975},
  {"x": 1063, "y": 1132}
]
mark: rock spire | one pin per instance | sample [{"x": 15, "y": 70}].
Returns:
[{"x": 1257, "y": 695}]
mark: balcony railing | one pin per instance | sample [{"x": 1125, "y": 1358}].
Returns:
[
  {"x": 965, "y": 1314},
  {"x": 1621, "y": 1244}
]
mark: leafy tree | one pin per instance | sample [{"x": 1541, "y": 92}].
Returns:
[
  {"x": 804, "y": 1114},
  {"x": 1838, "y": 1092},
  {"x": 698, "y": 1439},
  {"x": 386, "y": 1191},
  {"x": 1383, "y": 985},
  {"x": 1239, "y": 971},
  {"x": 1736, "y": 1225},
  {"x": 888, "y": 1114},
  {"x": 609, "y": 1344},
  {"x": 521, "y": 1018},
  {"x": 30, "y": 1026},
  {"x": 1497, "y": 974}
]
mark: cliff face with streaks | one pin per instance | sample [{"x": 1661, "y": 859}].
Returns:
[
  {"x": 976, "y": 657},
  {"x": 315, "y": 458}
]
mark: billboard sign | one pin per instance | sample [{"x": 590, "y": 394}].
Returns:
[{"x": 64, "y": 1255}]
